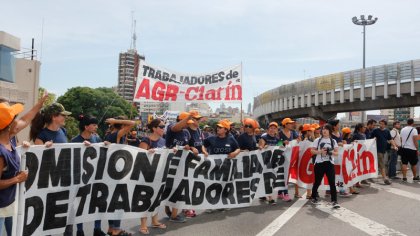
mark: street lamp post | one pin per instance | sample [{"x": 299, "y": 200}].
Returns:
[{"x": 364, "y": 22}]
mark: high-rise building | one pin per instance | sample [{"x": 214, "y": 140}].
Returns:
[
  {"x": 127, "y": 73},
  {"x": 19, "y": 75}
]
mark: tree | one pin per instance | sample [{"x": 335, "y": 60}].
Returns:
[
  {"x": 51, "y": 96},
  {"x": 102, "y": 103}
]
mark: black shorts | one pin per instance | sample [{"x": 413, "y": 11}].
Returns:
[{"x": 409, "y": 156}]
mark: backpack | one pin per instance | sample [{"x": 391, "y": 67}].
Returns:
[{"x": 317, "y": 146}]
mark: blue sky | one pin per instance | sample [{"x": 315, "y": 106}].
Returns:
[{"x": 277, "y": 41}]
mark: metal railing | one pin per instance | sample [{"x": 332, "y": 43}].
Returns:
[{"x": 376, "y": 75}]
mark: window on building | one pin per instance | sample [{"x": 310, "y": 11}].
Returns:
[{"x": 7, "y": 64}]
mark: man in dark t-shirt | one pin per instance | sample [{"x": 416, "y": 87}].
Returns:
[{"x": 383, "y": 137}]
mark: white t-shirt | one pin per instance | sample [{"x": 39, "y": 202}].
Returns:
[
  {"x": 404, "y": 134},
  {"x": 395, "y": 135},
  {"x": 324, "y": 143}
]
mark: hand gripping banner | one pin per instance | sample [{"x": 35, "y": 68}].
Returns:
[{"x": 72, "y": 183}]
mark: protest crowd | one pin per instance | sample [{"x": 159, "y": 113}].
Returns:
[{"x": 47, "y": 128}]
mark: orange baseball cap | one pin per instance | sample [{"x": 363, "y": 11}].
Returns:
[
  {"x": 346, "y": 130},
  {"x": 307, "y": 127},
  {"x": 8, "y": 113},
  {"x": 252, "y": 122},
  {"x": 183, "y": 115},
  {"x": 286, "y": 121},
  {"x": 273, "y": 124},
  {"x": 315, "y": 126},
  {"x": 225, "y": 123},
  {"x": 195, "y": 114}
]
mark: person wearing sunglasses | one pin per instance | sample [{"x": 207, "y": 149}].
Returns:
[
  {"x": 247, "y": 140},
  {"x": 177, "y": 135},
  {"x": 155, "y": 140}
]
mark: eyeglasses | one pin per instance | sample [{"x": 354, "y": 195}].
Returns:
[
  {"x": 248, "y": 126},
  {"x": 161, "y": 126}
]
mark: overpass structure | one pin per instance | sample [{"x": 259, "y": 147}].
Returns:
[{"x": 379, "y": 87}]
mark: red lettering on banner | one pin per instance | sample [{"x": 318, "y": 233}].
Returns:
[
  {"x": 348, "y": 155},
  {"x": 294, "y": 159},
  {"x": 171, "y": 92},
  {"x": 144, "y": 90},
  {"x": 158, "y": 91},
  {"x": 363, "y": 158},
  {"x": 188, "y": 93},
  {"x": 306, "y": 173}
]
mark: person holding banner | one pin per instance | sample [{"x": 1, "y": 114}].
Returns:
[
  {"x": 48, "y": 128},
  {"x": 307, "y": 135},
  {"x": 325, "y": 148},
  {"x": 338, "y": 137},
  {"x": 10, "y": 174},
  {"x": 269, "y": 139},
  {"x": 287, "y": 135},
  {"x": 48, "y": 125},
  {"x": 222, "y": 142},
  {"x": 247, "y": 140},
  {"x": 155, "y": 140},
  {"x": 177, "y": 135},
  {"x": 120, "y": 127},
  {"x": 88, "y": 126},
  {"x": 317, "y": 130},
  {"x": 196, "y": 141}
]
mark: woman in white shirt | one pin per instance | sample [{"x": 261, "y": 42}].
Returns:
[{"x": 325, "y": 148}]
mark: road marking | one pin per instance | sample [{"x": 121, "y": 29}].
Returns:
[
  {"x": 397, "y": 191},
  {"x": 365, "y": 224},
  {"x": 274, "y": 226}
]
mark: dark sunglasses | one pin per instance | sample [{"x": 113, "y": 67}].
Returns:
[
  {"x": 161, "y": 126},
  {"x": 248, "y": 126}
]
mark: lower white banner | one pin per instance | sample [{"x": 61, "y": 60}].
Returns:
[{"x": 72, "y": 183}]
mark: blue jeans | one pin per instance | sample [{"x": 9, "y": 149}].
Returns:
[
  {"x": 97, "y": 225},
  {"x": 8, "y": 222},
  {"x": 392, "y": 163}
]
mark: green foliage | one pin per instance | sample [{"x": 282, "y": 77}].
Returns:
[
  {"x": 102, "y": 103},
  {"x": 51, "y": 96},
  {"x": 72, "y": 127}
]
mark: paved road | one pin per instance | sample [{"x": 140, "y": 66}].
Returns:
[{"x": 377, "y": 210}]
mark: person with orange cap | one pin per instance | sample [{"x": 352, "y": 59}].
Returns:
[
  {"x": 10, "y": 173},
  {"x": 196, "y": 135},
  {"x": 346, "y": 135},
  {"x": 287, "y": 135},
  {"x": 9, "y": 165},
  {"x": 177, "y": 135},
  {"x": 307, "y": 135},
  {"x": 196, "y": 141},
  {"x": 247, "y": 140},
  {"x": 308, "y": 132},
  {"x": 269, "y": 139},
  {"x": 317, "y": 130},
  {"x": 9, "y": 160},
  {"x": 221, "y": 143}
]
